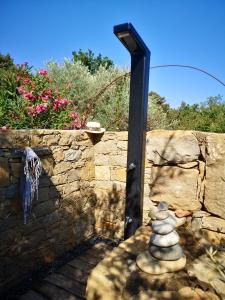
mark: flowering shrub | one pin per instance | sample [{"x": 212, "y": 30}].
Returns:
[
  {"x": 63, "y": 97},
  {"x": 43, "y": 105}
]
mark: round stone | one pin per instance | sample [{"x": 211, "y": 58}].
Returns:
[
  {"x": 166, "y": 253},
  {"x": 161, "y": 214},
  {"x": 165, "y": 240},
  {"x": 162, "y": 205},
  {"x": 148, "y": 264},
  {"x": 153, "y": 212},
  {"x": 164, "y": 226}
]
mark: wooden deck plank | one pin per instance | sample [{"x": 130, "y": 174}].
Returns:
[
  {"x": 69, "y": 281},
  {"x": 90, "y": 260},
  {"x": 32, "y": 295},
  {"x": 80, "y": 264},
  {"x": 53, "y": 292},
  {"x": 73, "y": 273},
  {"x": 71, "y": 286}
]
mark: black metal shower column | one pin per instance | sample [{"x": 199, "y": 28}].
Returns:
[{"x": 140, "y": 61}]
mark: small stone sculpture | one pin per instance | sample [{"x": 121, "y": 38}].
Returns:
[{"x": 164, "y": 253}]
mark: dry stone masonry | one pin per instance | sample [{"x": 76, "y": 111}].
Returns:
[
  {"x": 82, "y": 190},
  {"x": 62, "y": 217}
]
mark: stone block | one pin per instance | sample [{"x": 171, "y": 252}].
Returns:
[
  {"x": 51, "y": 140},
  {"x": 122, "y": 145},
  {"x": 122, "y": 136},
  {"x": 102, "y": 173},
  {"x": 215, "y": 179},
  {"x": 73, "y": 175},
  {"x": 4, "y": 172},
  {"x": 118, "y": 160},
  {"x": 105, "y": 147},
  {"x": 110, "y": 199},
  {"x": 175, "y": 185},
  {"x": 101, "y": 160},
  {"x": 72, "y": 155},
  {"x": 213, "y": 223},
  {"x": 37, "y": 141},
  {"x": 62, "y": 167},
  {"x": 119, "y": 174},
  {"x": 71, "y": 187},
  {"x": 58, "y": 154},
  {"x": 165, "y": 147},
  {"x": 59, "y": 179},
  {"x": 88, "y": 171},
  {"x": 66, "y": 139}
]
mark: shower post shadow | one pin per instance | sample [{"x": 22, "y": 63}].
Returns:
[{"x": 138, "y": 104}]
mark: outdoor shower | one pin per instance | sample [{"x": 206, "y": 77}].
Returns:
[{"x": 138, "y": 104}]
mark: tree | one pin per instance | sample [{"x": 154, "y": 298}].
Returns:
[
  {"x": 91, "y": 61},
  {"x": 6, "y": 62},
  {"x": 207, "y": 116},
  {"x": 159, "y": 113}
]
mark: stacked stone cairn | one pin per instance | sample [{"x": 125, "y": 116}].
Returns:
[{"x": 164, "y": 253}]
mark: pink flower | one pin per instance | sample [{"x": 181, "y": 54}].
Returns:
[
  {"x": 74, "y": 115},
  {"x": 20, "y": 90},
  {"x": 48, "y": 92},
  {"x": 4, "y": 128},
  {"x": 40, "y": 108},
  {"x": 29, "y": 95},
  {"x": 44, "y": 98},
  {"x": 26, "y": 81},
  {"x": 37, "y": 110},
  {"x": 43, "y": 72},
  {"x": 76, "y": 124},
  {"x": 60, "y": 103}
]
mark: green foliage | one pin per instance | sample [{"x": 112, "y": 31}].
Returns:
[
  {"x": 28, "y": 101},
  {"x": 12, "y": 106},
  {"x": 159, "y": 113},
  {"x": 6, "y": 61},
  {"x": 207, "y": 116},
  {"x": 91, "y": 61},
  {"x": 82, "y": 88},
  {"x": 85, "y": 89}
]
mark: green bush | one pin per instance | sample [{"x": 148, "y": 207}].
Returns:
[{"x": 85, "y": 91}]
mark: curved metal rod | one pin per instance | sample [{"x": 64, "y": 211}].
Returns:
[
  {"x": 190, "y": 67},
  {"x": 102, "y": 91}
]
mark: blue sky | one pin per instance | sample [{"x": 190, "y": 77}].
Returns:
[{"x": 176, "y": 31}]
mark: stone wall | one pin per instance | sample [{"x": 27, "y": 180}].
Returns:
[
  {"x": 62, "y": 217},
  {"x": 82, "y": 190},
  {"x": 184, "y": 168}
]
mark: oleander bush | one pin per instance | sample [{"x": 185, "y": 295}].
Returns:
[{"x": 64, "y": 96}]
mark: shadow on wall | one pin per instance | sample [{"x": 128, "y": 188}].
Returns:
[
  {"x": 159, "y": 176},
  {"x": 177, "y": 172},
  {"x": 67, "y": 212},
  {"x": 60, "y": 219}
]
